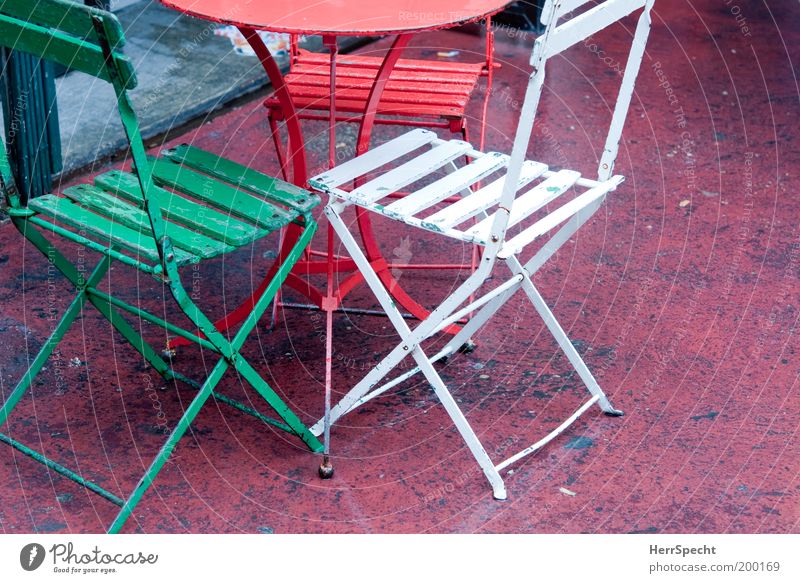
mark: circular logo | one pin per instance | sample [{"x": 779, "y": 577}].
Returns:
[{"x": 31, "y": 556}]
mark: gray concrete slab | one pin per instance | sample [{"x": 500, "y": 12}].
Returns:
[{"x": 185, "y": 71}]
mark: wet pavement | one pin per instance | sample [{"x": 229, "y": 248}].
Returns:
[{"x": 681, "y": 294}]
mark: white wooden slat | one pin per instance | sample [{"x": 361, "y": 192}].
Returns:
[
  {"x": 375, "y": 158},
  {"x": 558, "y": 216},
  {"x": 528, "y": 203},
  {"x": 455, "y": 182},
  {"x": 409, "y": 172},
  {"x": 485, "y": 198},
  {"x": 583, "y": 26}
]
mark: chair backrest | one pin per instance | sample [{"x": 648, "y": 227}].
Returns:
[
  {"x": 76, "y": 36},
  {"x": 563, "y": 29},
  {"x": 85, "y": 39}
]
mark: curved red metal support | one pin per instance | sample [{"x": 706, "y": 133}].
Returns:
[
  {"x": 296, "y": 149},
  {"x": 371, "y": 249},
  {"x": 297, "y": 157}
]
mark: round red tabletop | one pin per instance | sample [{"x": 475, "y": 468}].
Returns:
[{"x": 339, "y": 17}]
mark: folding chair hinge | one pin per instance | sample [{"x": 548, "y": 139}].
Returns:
[{"x": 160, "y": 275}]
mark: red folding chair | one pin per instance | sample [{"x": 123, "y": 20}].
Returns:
[{"x": 420, "y": 93}]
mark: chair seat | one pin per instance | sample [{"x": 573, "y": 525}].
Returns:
[
  {"x": 426, "y": 173},
  {"x": 213, "y": 206},
  {"x": 415, "y": 87}
]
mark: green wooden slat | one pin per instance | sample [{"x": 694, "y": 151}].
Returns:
[
  {"x": 53, "y": 45},
  {"x": 69, "y": 17},
  {"x": 243, "y": 177},
  {"x": 223, "y": 196},
  {"x": 108, "y": 232},
  {"x": 121, "y": 212},
  {"x": 216, "y": 224}
]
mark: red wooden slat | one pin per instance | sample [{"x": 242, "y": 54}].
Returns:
[
  {"x": 384, "y": 108},
  {"x": 310, "y": 91},
  {"x": 369, "y": 74},
  {"x": 424, "y": 87},
  {"x": 402, "y": 65}
]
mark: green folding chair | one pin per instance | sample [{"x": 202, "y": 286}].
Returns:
[{"x": 178, "y": 210}]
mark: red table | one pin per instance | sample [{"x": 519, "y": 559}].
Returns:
[{"x": 331, "y": 19}]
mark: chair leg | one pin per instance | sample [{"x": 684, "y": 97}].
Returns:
[
  {"x": 74, "y": 277},
  {"x": 566, "y": 346},
  {"x": 403, "y": 349},
  {"x": 232, "y": 357},
  {"x": 277, "y": 404},
  {"x": 533, "y": 264},
  {"x": 370, "y": 381},
  {"x": 44, "y": 353},
  {"x": 409, "y": 344},
  {"x": 467, "y": 433},
  {"x": 166, "y": 450},
  {"x": 230, "y": 349}
]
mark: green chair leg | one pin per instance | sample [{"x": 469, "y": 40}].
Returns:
[
  {"x": 55, "y": 337},
  {"x": 166, "y": 450}
]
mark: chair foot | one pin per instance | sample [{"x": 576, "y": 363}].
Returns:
[
  {"x": 467, "y": 347},
  {"x": 326, "y": 469},
  {"x": 500, "y": 493},
  {"x": 614, "y": 413},
  {"x": 169, "y": 353}
]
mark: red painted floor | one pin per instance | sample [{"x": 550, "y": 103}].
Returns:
[{"x": 682, "y": 294}]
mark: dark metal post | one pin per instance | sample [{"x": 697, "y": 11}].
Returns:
[{"x": 28, "y": 98}]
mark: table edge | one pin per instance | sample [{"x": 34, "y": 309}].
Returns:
[{"x": 362, "y": 32}]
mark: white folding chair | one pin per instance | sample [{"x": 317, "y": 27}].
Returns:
[{"x": 515, "y": 203}]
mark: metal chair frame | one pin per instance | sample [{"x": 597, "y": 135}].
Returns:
[
  {"x": 512, "y": 208},
  {"x": 214, "y": 207}
]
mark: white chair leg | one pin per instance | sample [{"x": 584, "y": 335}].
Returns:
[
  {"x": 566, "y": 346},
  {"x": 410, "y": 346},
  {"x": 366, "y": 384},
  {"x": 461, "y": 423},
  {"x": 409, "y": 338}
]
